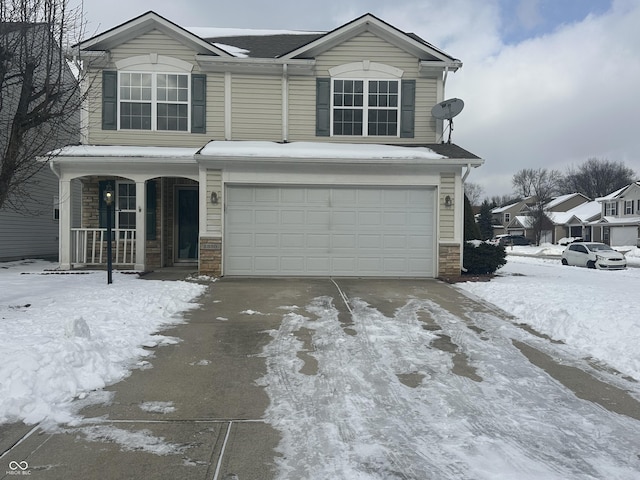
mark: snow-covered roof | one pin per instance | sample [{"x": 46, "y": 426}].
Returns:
[
  {"x": 619, "y": 220},
  {"x": 106, "y": 151},
  {"x": 584, "y": 213},
  {"x": 562, "y": 198},
  {"x": 303, "y": 150},
  {"x": 617, "y": 193},
  {"x": 525, "y": 220}
]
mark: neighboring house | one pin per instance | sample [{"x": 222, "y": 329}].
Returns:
[
  {"x": 566, "y": 215},
  {"x": 574, "y": 223},
  {"x": 503, "y": 216},
  {"x": 284, "y": 154},
  {"x": 29, "y": 221},
  {"x": 619, "y": 224}
]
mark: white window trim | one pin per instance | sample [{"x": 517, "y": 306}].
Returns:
[
  {"x": 154, "y": 101},
  {"x": 155, "y": 64},
  {"x": 365, "y": 107},
  {"x": 507, "y": 217},
  {"x": 611, "y": 209},
  {"x": 628, "y": 207},
  {"x": 119, "y": 210}
]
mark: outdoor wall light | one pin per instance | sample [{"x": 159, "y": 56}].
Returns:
[
  {"x": 447, "y": 201},
  {"x": 108, "y": 194},
  {"x": 214, "y": 198}
]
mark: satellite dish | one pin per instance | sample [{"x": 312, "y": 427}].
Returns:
[{"x": 447, "y": 110}]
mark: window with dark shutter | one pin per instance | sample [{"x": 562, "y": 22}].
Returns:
[{"x": 109, "y": 100}]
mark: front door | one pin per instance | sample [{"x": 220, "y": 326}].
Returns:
[{"x": 186, "y": 224}]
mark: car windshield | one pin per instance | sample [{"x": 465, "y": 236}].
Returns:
[{"x": 598, "y": 247}]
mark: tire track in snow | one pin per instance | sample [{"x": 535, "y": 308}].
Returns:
[{"x": 356, "y": 420}]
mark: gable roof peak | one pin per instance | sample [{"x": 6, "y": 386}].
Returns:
[
  {"x": 368, "y": 22},
  {"x": 142, "y": 24}
]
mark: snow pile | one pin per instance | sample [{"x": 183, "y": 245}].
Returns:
[
  {"x": 591, "y": 310},
  {"x": 62, "y": 335}
]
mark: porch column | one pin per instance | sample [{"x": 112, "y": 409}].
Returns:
[
  {"x": 64, "y": 224},
  {"x": 141, "y": 226}
]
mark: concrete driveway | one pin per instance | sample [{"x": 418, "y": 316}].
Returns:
[{"x": 293, "y": 374}]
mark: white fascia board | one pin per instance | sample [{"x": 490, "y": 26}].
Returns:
[
  {"x": 208, "y": 63},
  {"x": 440, "y": 164}
]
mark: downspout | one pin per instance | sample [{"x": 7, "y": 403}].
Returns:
[
  {"x": 444, "y": 78},
  {"x": 285, "y": 103}
]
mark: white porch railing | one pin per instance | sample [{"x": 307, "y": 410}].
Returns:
[{"x": 89, "y": 246}]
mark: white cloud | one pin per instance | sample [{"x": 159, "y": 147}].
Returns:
[{"x": 554, "y": 100}]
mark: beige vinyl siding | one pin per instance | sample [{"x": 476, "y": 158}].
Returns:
[
  {"x": 256, "y": 107},
  {"x": 155, "y": 42},
  {"x": 214, "y": 212},
  {"x": 447, "y": 215},
  {"x": 302, "y": 90}
]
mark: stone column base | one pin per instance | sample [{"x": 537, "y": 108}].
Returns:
[
  {"x": 211, "y": 256},
  {"x": 449, "y": 260}
]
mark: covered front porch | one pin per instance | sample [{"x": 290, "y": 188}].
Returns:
[{"x": 154, "y": 216}]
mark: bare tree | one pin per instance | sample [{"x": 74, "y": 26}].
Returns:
[
  {"x": 39, "y": 96},
  {"x": 597, "y": 177},
  {"x": 543, "y": 185},
  {"x": 474, "y": 192}
]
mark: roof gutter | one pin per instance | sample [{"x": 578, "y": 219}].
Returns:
[{"x": 208, "y": 63}]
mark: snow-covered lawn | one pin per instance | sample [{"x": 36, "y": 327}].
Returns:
[
  {"x": 594, "y": 311},
  {"x": 63, "y": 335}
]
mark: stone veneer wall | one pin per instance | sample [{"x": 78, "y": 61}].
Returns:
[
  {"x": 211, "y": 256},
  {"x": 449, "y": 260}
]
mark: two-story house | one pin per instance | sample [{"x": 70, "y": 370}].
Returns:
[
  {"x": 619, "y": 224},
  {"x": 283, "y": 154},
  {"x": 503, "y": 216}
]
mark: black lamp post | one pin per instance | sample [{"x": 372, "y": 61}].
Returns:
[{"x": 108, "y": 200}]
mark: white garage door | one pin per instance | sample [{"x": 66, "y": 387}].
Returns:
[{"x": 339, "y": 231}]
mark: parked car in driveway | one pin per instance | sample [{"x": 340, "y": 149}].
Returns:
[
  {"x": 508, "y": 240},
  {"x": 593, "y": 255}
]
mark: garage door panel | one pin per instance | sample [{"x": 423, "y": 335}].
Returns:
[
  {"x": 292, "y": 240},
  {"x": 292, "y": 217},
  {"x": 370, "y": 241},
  {"x": 348, "y": 231},
  {"x": 266, "y": 240},
  {"x": 266, "y": 195}
]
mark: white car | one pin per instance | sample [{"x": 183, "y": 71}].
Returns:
[{"x": 593, "y": 255}]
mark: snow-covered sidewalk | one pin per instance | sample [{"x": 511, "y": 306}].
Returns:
[{"x": 62, "y": 335}]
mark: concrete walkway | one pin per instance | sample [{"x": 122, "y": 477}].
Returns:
[{"x": 196, "y": 411}]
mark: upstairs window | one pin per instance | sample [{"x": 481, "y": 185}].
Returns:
[
  {"x": 154, "y": 92},
  {"x": 611, "y": 209},
  {"x": 154, "y": 101},
  {"x": 365, "y": 107},
  {"x": 507, "y": 217},
  {"x": 628, "y": 207}
]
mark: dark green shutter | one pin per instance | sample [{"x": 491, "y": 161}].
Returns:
[
  {"x": 408, "y": 109},
  {"x": 198, "y": 103},
  {"x": 102, "y": 206},
  {"x": 323, "y": 107},
  {"x": 109, "y": 100},
  {"x": 151, "y": 210}
]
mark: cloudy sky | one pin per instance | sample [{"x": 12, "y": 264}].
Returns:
[{"x": 546, "y": 83}]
